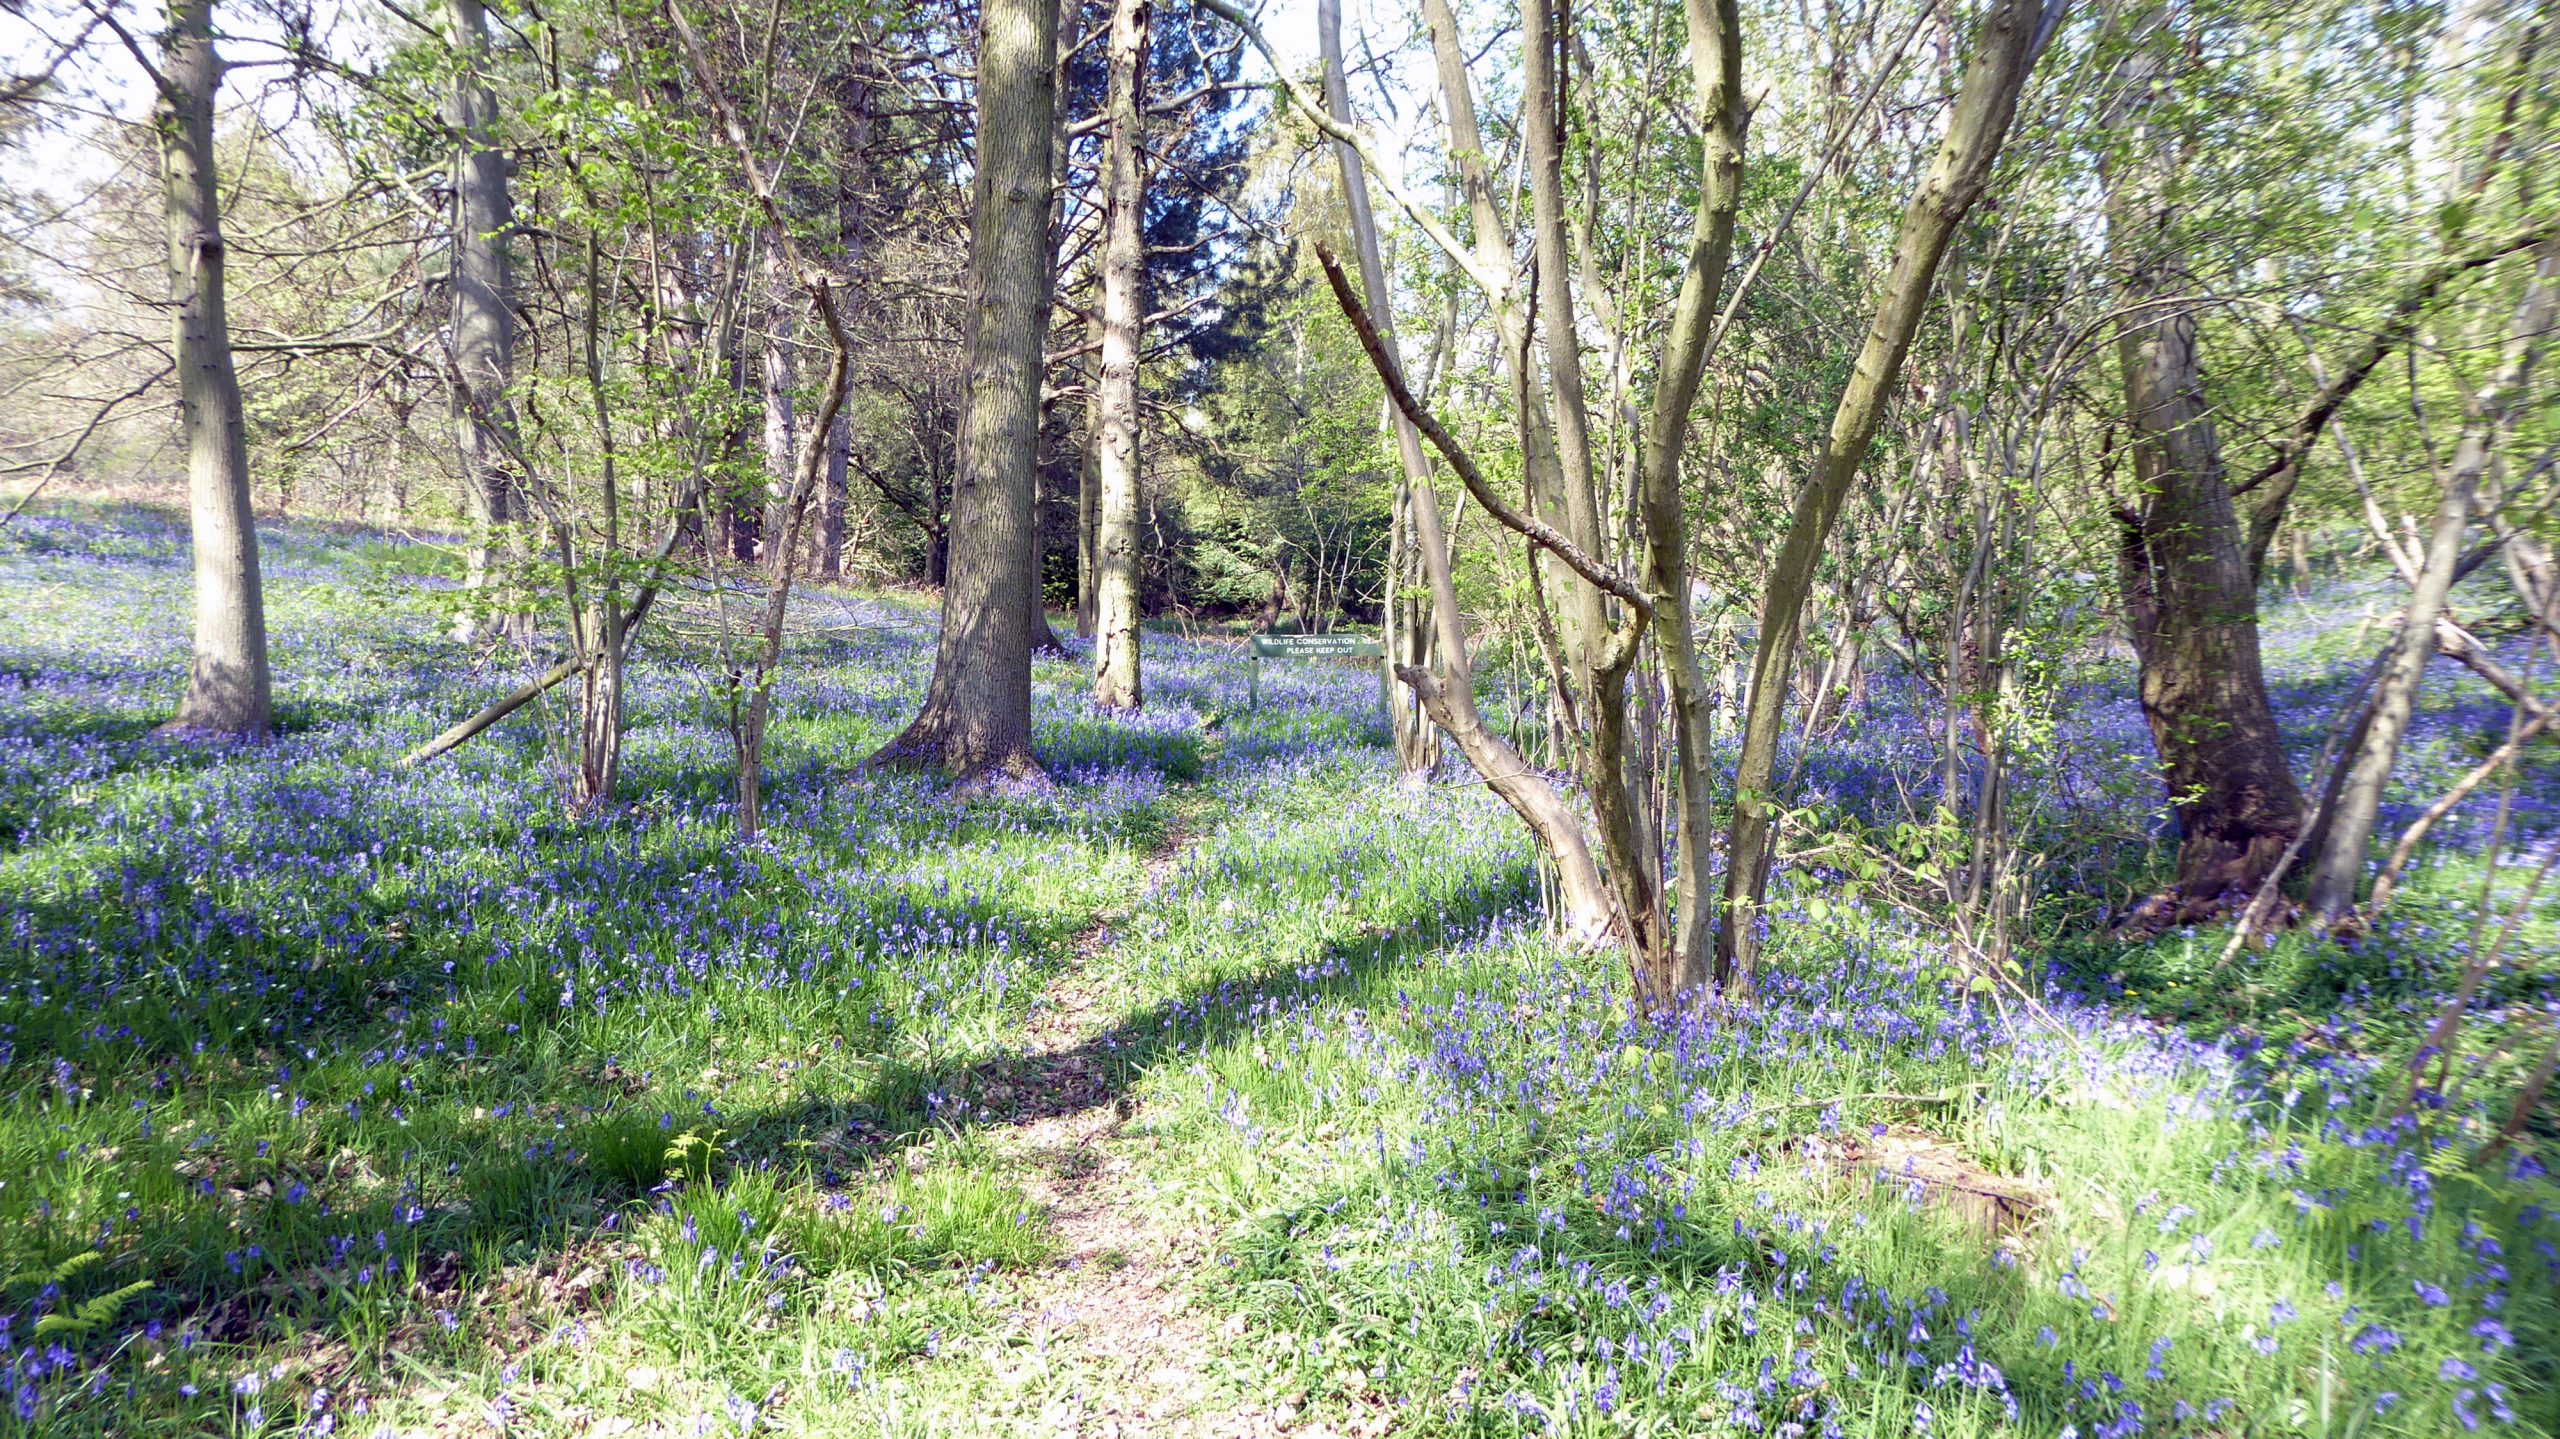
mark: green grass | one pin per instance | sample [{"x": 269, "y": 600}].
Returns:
[{"x": 332, "y": 1085}]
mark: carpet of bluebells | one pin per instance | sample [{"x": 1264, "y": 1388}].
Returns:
[{"x": 337, "y": 1097}]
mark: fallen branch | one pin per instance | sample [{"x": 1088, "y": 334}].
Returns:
[{"x": 533, "y": 689}]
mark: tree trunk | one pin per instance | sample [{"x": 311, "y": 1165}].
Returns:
[
  {"x": 780, "y": 374},
  {"x": 228, "y": 689},
  {"x": 742, "y": 497},
  {"x": 1044, "y": 640},
  {"x": 1089, "y": 491},
  {"x": 1116, "y": 681},
  {"x": 976, "y": 721},
  {"x": 2356, "y": 797},
  {"x": 1589, "y": 914},
  {"x": 2189, "y": 591},
  {"x": 1493, "y": 258},
  {"x": 832, "y": 500},
  {"x": 2011, "y": 36},
  {"x": 1408, "y": 617},
  {"x": 600, "y": 699},
  {"x": 1715, "y": 28},
  {"x": 483, "y": 312},
  {"x": 1635, "y": 868}
]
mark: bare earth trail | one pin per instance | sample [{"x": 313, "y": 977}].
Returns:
[{"x": 1106, "y": 1343}]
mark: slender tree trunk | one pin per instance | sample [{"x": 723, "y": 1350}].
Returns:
[
  {"x": 483, "y": 314},
  {"x": 1589, "y": 912},
  {"x": 810, "y": 460},
  {"x": 1578, "y": 501},
  {"x": 1511, "y": 322},
  {"x": 1044, "y": 640},
  {"x": 600, "y": 707},
  {"x": 2356, "y": 800},
  {"x": 2189, "y": 591},
  {"x": 742, "y": 498},
  {"x": 1634, "y": 868},
  {"x": 779, "y": 372},
  {"x": 1715, "y": 28},
  {"x": 1116, "y": 681},
  {"x": 2011, "y": 36},
  {"x": 1089, "y": 490},
  {"x": 976, "y": 721},
  {"x": 228, "y": 689},
  {"x": 1408, "y": 617},
  {"x": 831, "y": 500}
]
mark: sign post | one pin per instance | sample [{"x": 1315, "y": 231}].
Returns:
[{"x": 1301, "y": 647}]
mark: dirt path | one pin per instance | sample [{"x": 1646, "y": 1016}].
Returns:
[{"x": 1113, "y": 1341}]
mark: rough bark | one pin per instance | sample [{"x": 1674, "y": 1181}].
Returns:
[
  {"x": 2188, "y": 589},
  {"x": 976, "y": 720},
  {"x": 228, "y": 688},
  {"x": 2348, "y": 816},
  {"x": 1116, "y": 680},
  {"x": 2011, "y": 36},
  {"x": 483, "y": 317}
]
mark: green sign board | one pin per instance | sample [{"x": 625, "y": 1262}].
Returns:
[
  {"x": 1315, "y": 647},
  {"x": 1301, "y": 647}
]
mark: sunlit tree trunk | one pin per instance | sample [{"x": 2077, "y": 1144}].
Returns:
[
  {"x": 1635, "y": 867},
  {"x": 1511, "y": 325},
  {"x": 779, "y": 372},
  {"x": 228, "y": 690},
  {"x": 1407, "y": 627},
  {"x": 2356, "y": 800},
  {"x": 2011, "y": 35},
  {"x": 600, "y": 700},
  {"x": 1587, "y": 911},
  {"x": 976, "y": 721},
  {"x": 1116, "y": 683},
  {"x": 1715, "y": 27}
]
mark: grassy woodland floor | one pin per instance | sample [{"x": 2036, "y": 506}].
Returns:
[{"x": 1229, "y": 1089}]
